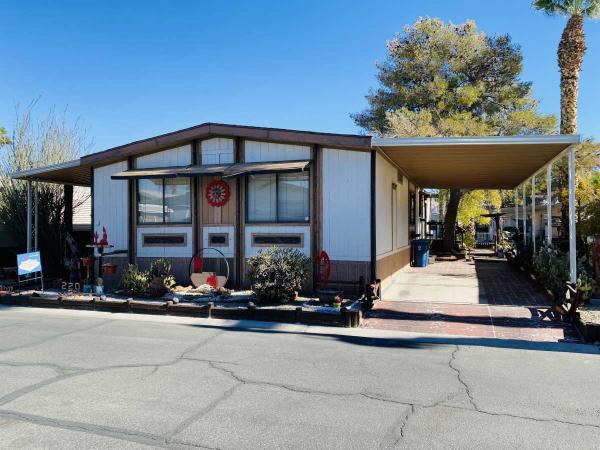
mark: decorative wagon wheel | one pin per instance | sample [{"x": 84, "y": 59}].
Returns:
[
  {"x": 323, "y": 267},
  {"x": 217, "y": 193},
  {"x": 218, "y": 261}
]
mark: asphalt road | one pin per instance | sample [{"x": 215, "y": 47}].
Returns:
[{"x": 75, "y": 379}]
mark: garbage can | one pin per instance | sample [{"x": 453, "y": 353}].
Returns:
[{"x": 420, "y": 252}]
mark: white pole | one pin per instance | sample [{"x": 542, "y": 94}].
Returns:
[
  {"x": 525, "y": 214},
  {"x": 36, "y": 218},
  {"x": 28, "y": 216},
  {"x": 572, "y": 242},
  {"x": 549, "y": 205},
  {"x": 517, "y": 208},
  {"x": 533, "y": 212}
]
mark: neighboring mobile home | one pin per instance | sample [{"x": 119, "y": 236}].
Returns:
[{"x": 243, "y": 188}]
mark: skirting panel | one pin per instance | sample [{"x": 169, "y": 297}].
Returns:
[{"x": 388, "y": 266}]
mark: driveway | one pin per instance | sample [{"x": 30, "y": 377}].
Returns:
[
  {"x": 80, "y": 379},
  {"x": 485, "y": 297}
]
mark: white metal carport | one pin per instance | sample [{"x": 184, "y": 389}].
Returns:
[{"x": 490, "y": 162}]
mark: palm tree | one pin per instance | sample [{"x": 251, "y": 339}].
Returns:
[
  {"x": 570, "y": 53},
  {"x": 571, "y": 50}
]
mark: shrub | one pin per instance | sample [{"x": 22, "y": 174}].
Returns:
[
  {"x": 161, "y": 268},
  {"x": 154, "y": 282},
  {"x": 551, "y": 267},
  {"x": 276, "y": 273},
  {"x": 134, "y": 281}
]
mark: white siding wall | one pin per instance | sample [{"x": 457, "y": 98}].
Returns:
[
  {"x": 227, "y": 251},
  {"x": 386, "y": 175},
  {"x": 346, "y": 204},
  {"x": 110, "y": 204},
  {"x": 277, "y": 229},
  {"x": 180, "y": 156},
  {"x": 268, "y": 151},
  {"x": 157, "y": 252},
  {"x": 217, "y": 151}
]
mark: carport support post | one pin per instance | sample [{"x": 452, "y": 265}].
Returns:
[
  {"x": 525, "y": 215},
  {"x": 572, "y": 241},
  {"x": 549, "y": 205},
  {"x": 517, "y": 208},
  {"x": 533, "y": 213},
  {"x": 28, "y": 216},
  {"x": 36, "y": 218}
]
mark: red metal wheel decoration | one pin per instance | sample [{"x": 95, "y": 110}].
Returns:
[
  {"x": 323, "y": 267},
  {"x": 217, "y": 193}
]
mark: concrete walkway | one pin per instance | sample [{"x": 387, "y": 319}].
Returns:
[
  {"x": 484, "y": 298},
  {"x": 482, "y": 281}
]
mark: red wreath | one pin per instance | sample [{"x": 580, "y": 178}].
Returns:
[{"x": 217, "y": 193}]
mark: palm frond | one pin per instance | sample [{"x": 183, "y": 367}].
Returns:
[
  {"x": 551, "y": 6},
  {"x": 586, "y": 8}
]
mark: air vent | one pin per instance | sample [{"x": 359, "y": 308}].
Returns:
[
  {"x": 278, "y": 240},
  {"x": 218, "y": 239},
  {"x": 164, "y": 240}
]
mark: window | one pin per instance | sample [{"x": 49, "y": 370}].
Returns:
[
  {"x": 278, "y": 197},
  {"x": 164, "y": 200}
]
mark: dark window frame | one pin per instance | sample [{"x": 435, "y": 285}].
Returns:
[
  {"x": 277, "y": 219},
  {"x": 163, "y": 222}
]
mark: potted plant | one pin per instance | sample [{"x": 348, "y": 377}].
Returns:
[{"x": 337, "y": 302}]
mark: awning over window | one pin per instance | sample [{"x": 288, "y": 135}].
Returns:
[
  {"x": 159, "y": 172},
  {"x": 236, "y": 170},
  {"x": 225, "y": 170}
]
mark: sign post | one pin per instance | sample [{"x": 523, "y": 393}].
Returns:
[{"x": 30, "y": 264}]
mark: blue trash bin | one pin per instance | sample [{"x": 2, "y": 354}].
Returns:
[{"x": 420, "y": 252}]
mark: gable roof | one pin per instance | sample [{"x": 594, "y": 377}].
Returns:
[{"x": 209, "y": 129}]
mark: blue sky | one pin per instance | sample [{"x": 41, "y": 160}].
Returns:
[{"x": 129, "y": 70}]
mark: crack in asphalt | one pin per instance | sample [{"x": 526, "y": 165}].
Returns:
[
  {"x": 297, "y": 389},
  {"x": 70, "y": 372},
  {"x": 516, "y": 416},
  {"x": 459, "y": 376},
  {"x": 395, "y": 435},
  {"x": 204, "y": 411},
  {"x": 101, "y": 430},
  {"x": 56, "y": 336}
]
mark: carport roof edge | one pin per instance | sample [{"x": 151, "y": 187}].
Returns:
[{"x": 476, "y": 162}]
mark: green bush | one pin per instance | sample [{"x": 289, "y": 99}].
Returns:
[
  {"x": 161, "y": 269},
  {"x": 276, "y": 273},
  {"x": 154, "y": 282},
  {"x": 134, "y": 281},
  {"x": 551, "y": 267}
]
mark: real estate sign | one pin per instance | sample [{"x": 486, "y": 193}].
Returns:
[{"x": 28, "y": 263}]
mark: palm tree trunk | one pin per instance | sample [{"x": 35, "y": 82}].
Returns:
[
  {"x": 570, "y": 59},
  {"x": 450, "y": 219}
]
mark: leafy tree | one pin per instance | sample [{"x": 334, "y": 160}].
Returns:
[
  {"x": 38, "y": 143},
  {"x": 441, "y": 79},
  {"x": 3, "y": 137},
  {"x": 571, "y": 50}
]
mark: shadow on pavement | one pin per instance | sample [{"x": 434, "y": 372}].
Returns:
[{"x": 421, "y": 342}]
